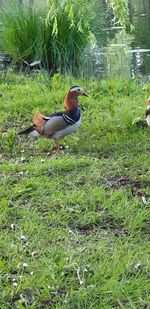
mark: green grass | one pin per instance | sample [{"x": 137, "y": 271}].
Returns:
[{"x": 74, "y": 228}]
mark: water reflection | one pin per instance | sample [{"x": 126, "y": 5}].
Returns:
[
  {"x": 140, "y": 12},
  {"x": 126, "y": 55}
]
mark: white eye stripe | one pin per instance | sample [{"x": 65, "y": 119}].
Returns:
[{"x": 76, "y": 89}]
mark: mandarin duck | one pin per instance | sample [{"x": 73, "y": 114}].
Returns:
[
  {"x": 59, "y": 124},
  {"x": 147, "y": 114}
]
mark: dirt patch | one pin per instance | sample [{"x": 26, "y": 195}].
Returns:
[
  {"x": 25, "y": 298},
  {"x": 125, "y": 181},
  {"x": 85, "y": 229},
  {"x": 52, "y": 300},
  {"x": 135, "y": 185},
  {"x": 47, "y": 303},
  {"x": 105, "y": 222},
  {"x": 114, "y": 224}
]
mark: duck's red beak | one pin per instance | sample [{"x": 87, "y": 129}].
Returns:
[{"x": 85, "y": 94}]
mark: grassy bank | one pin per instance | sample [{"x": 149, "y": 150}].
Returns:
[{"x": 74, "y": 225}]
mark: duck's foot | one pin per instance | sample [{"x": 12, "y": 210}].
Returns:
[
  {"x": 49, "y": 153},
  {"x": 59, "y": 146},
  {"x": 62, "y": 147}
]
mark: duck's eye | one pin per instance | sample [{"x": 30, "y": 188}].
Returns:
[{"x": 78, "y": 89}]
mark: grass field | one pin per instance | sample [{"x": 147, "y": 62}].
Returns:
[{"x": 74, "y": 224}]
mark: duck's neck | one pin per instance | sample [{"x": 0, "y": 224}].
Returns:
[{"x": 71, "y": 102}]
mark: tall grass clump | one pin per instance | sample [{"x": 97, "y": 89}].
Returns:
[
  {"x": 22, "y": 31},
  {"x": 56, "y": 35},
  {"x": 70, "y": 26}
]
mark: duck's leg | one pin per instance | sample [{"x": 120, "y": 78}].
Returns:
[{"x": 57, "y": 145}]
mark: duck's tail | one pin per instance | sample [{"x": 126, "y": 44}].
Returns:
[
  {"x": 31, "y": 131},
  {"x": 37, "y": 127}
]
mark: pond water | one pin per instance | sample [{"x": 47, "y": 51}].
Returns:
[
  {"x": 127, "y": 55},
  {"x": 140, "y": 47}
]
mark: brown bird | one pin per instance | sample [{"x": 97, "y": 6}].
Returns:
[
  {"x": 59, "y": 124},
  {"x": 147, "y": 114}
]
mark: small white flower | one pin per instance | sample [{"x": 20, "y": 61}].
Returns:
[
  {"x": 25, "y": 265},
  {"x": 20, "y": 265},
  {"x": 24, "y": 238},
  {"x": 34, "y": 253},
  {"x": 22, "y": 159},
  {"x": 138, "y": 265},
  {"x": 71, "y": 232}
]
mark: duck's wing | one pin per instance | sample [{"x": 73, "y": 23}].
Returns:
[
  {"x": 48, "y": 125},
  {"x": 54, "y": 123}
]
